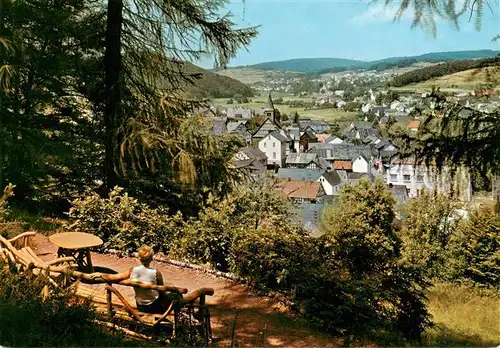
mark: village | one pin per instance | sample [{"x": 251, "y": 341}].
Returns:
[{"x": 310, "y": 164}]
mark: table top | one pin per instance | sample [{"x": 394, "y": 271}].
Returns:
[{"x": 75, "y": 240}]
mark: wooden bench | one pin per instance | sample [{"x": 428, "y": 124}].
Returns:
[{"x": 119, "y": 307}]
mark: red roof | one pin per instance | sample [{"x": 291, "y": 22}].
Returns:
[
  {"x": 346, "y": 165},
  {"x": 413, "y": 124},
  {"x": 300, "y": 189},
  {"x": 322, "y": 137}
]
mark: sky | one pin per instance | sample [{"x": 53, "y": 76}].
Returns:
[{"x": 354, "y": 29}]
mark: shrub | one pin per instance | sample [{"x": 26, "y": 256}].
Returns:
[
  {"x": 7, "y": 193},
  {"x": 376, "y": 292},
  {"x": 27, "y": 320},
  {"x": 124, "y": 223},
  {"x": 430, "y": 222},
  {"x": 272, "y": 257},
  {"x": 474, "y": 251},
  {"x": 210, "y": 237}
]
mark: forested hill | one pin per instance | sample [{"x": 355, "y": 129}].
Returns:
[
  {"x": 309, "y": 65},
  {"x": 439, "y": 70},
  {"x": 212, "y": 85},
  {"x": 323, "y": 65}
]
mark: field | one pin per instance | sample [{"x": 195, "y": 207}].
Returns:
[
  {"x": 250, "y": 76},
  {"x": 259, "y": 102},
  {"x": 464, "y": 81},
  {"x": 462, "y": 317}
]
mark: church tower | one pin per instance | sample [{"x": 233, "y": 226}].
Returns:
[{"x": 269, "y": 110}]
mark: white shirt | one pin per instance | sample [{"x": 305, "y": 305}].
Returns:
[{"x": 145, "y": 275}]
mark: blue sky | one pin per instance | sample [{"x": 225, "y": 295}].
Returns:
[{"x": 347, "y": 29}]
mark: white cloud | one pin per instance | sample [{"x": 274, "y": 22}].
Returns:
[{"x": 380, "y": 14}]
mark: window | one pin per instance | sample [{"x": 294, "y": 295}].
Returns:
[
  {"x": 394, "y": 177},
  {"x": 264, "y": 144},
  {"x": 406, "y": 178},
  {"x": 274, "y": 144},
  {"x": 420, "y": 178},
  {"x": 274, "y": 154}
]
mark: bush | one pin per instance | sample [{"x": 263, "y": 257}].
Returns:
[
  {"x": 474, "y": 250},
  {"x": 210, "y": 237},
  {"x": 124, "y": 223},
  {"x": 429, "y": 224},
  {"x": 27, "y": 320},
  {"x": 274, "y": 258},
  {"x": 376, "y": 291}
]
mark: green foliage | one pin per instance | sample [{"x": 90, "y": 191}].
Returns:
[
  {"x": 212, "y": 85},
  {"x": 273, "y": 257},
  {"x": 210, "y": 237},
  {"x": 430, "y": 222},
  {"x": 474, "y": 252},
  {"x": 366, "y": 254},
  {"x": 7, "y": 193},
  {"x": 123, "y": 222},
  {"x": 28, "y": 321}
]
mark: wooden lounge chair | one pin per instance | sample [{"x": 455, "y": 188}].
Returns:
[
  {"x": 121, "y": 308},
  {"x": 26, "y": 259}
]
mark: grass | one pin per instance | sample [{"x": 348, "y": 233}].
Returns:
[
  {"x": 318, "y": 114},
  {"x": 463, "y": 81},
  {"x": 463, "y": 317}
]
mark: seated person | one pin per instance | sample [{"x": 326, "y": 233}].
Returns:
[{"x": 148, "y": 300}]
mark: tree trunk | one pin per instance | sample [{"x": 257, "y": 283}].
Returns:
[
  {"x": 112, "y": 71},
  {"x": 2, "y": 156}
]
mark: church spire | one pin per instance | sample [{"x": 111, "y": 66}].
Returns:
[{"x": 269, "y": 105}]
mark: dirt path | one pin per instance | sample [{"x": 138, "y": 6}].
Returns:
[{"x": 261, "y": 320}]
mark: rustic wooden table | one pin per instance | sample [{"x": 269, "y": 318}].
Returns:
[{"x": 76, "y": 245}]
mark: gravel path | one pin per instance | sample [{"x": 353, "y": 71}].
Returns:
[{"x": 261, "y": 321}]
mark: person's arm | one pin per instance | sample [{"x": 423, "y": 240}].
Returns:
[{"x": 112, "y": 277}]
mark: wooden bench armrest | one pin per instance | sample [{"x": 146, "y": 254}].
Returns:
[
  {"x": 127, "y": 305},
  {"x": 24, "y": 236},
  {"x": 60, "y": 260},
  {"x": 169, "y": 288}
]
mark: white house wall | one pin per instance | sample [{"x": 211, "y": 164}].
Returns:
[
  {"x": 360, "y": 165},
  {"x": 274, "y": 150}
]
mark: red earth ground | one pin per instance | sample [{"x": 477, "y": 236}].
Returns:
[{"x": 261, "y": 321}]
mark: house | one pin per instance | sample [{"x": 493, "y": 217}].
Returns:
[
  {"x": 306, "y": 160},
  {"x": 361, "y": 164},
  {"x": 413, "y": 125},
  {"x": 315, "y": 125},
  {"x": 322, "y": 137},
  {"x": 294, "y": 136},
  {"x": 484, "y": 92},
  {"x": 417, "y": 176},
  {"x": 301, "y": 191},
  {"x": 237, "y": 113},
  {"x": 333, "y": 139},
  {"x": 253, "y": 153},
  {"x": 299, "y": 174},
  {"x": 332, "y": 183},
  {"x": 306, "y": 138},
  {"x": 239, "y": 127},
  {"x": 344, "y": 156},
  {"x": 274, "y": 145},
  {"x": 353, "y": 178},
  {"x": 265, "y": 128}
]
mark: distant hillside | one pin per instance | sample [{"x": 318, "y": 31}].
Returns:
[
  {"x": 439, "y": 70},
  {"x": 467, "y": 80},
  {"x": 329, "y": 65},
  {"x": 212, "y": 85},
  {"x": 443, "y": 56},
  {"x": 308, "y": 65}
]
